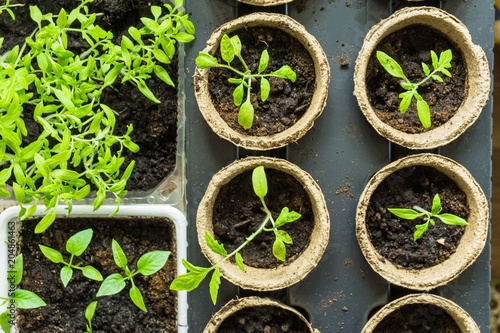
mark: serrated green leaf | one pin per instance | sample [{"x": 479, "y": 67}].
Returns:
[
  {"x": 112, "y": 285},
  {"x": 214, "y": 285},
  {"x": 66, "y": 274},
  {"x": 79, "y": 242},
  {"x": 152, "y": 262},
  {"x": 205, "y": 60},
  {"x": 279, "y": 250},
  {"x": 51, "y": 254},
  {"x": 191, "y": 280},
  {"x": 239, "y": 261},
  {"x": 118, "y": 255},
  {"x": 136, "y": 297},
  {"x": 404, "y": 213},
  {"x": 238, "y": 94},
  {"x": 435, "y": 60},
  {"x": 214, "y": 245},
  {"x": 437, "y": 78},
  {"x": 265, "y": 89},
  {"x": 25, "y": 299},
  {"x": 405, "y": 101},
  {"x": 426, "y": 69},
  {"x": 424, "y": 113},
  {"x": 91, "y": 273},
  {"x": 286, "y": 217},
  {"x": 259, "y": 182},
  {"x": 285, "y": 72},
  {"x": 245, "y": 114},
  {"x": 226, "y": 49}
]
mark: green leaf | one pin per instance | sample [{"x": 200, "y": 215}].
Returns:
[
  {"x": 404, "y": 213},
  {"x": 239, "y": 261},
  {"x": 279, "y": 250},
  {"x": 18, "y": 192},
  {"x": 437, "y": 78},
  {"x": 452, "y": 219},
  {"x": 62, "y": 19},
  {"x": 41, "y": 166},
  {"x": 5, "y": 321},
  {"x": 236, "y": 42},
  {"x": 436, "y": 205},
  {"x": 112, "y": 285},
  {"x": 45, "y": 222},
  {"x": 64, "y": 96},
  {"x": 214, "y": 285},
  {"x": 421, "y": 229},
  {"x": 283, "y": 236},
  {"x": 163, "y": 75},
  {"x": 286, "y": 217},
  {"x": 226, "y": 49},
  {"x": 426, "y": 69},
  {"x": 144, "y": 89},
  {"x": 259, "y": 182},
  {"x": 91, "y": 273},
  {"x": 435, "y": 60},
  {"x": 214, "y": 245},
  {"x": 265, "y": 89},
  {"x": 152, "y": 262},
  {"x": 424, "y": 113},
  {"x": 136, "y": 35},
  {"x": 90, "y": 310},
  {"x": 183, "y": 37},
  {"x": 66, "y": 274},
  {"x": 391, "y": 65},
  {"x": 285, "y": 72},
  {"x": 25, "y": 299},
  {"x": 118, "y": 255},
  {"x": 136, "y": 297},
  {"x": 51, "y": 254},
  {"x": 189, "y": 281},
  {"x": 36, "y": 15},
  {"x": 238, "y": 94},
  {"x": 111, "y": 75},
  {"x": 205, "y": 60},
  {"x": 245, "y": 115},
  {"x": 406, "y": 96},
  {"x": 263, "y": 62},
  {"x": 18, "y": 269},
  {"x": 161, "y": 56}
]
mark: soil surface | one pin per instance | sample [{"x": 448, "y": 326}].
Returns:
[
  {"x": 287, "y": 101},
  {"x": 238, "y": 213},
  {"x": 418, "y": 318},
  {"x": 155, "y": 125},
  {"x": 268, "y": 319},
  {"x": 410, "y": 47},
  {"x": 66, "y": 306},
  {"x": 393, "y": 237}
]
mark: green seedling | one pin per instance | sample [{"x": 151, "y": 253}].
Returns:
[
  {"x": 89, "y": 315},
  {"x": 75, "y": 245},
  {"x": 148, "y": 264},
  {"x": 440, "y": 65},
  {"x": 7, "y": 7},
  {"x": 19, "y": 298},
  {"x": 416, "y": 212},
  {"x": 230, "y": 48},
  {"x": 77, "y": 148},
  {"x": 195, "y": 275}
]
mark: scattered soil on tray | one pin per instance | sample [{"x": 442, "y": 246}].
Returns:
[
  {"x": 268, "y": 319},
  {"x": 287, "y": 101},
  {"x": 238, "y": 213},
  {"x": 410, "y": 47},
  {"x": 66, "y": 306},
  {"x": 393, "y": 237},
  {"x": 155, "y": 125},
  {"x": 418, "y": 318}
]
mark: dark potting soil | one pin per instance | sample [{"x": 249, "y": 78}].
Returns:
[
  {"x": 393, "y": 237},
  {"x": 155, "y": 125},
  {"x": 287, "y": 101},
  {"x": 268, "y": 319},
  {"x": 418, "y": 318},
  {"x": 410, "y": 47},
  {"x": 66, "y": 306},
  {"x": 238, "y": 213}
]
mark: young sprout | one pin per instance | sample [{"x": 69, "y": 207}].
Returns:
[
  {"x": 195, "y": 275},
  {"x": 230, "y": 48},
  {"x": 440, "y": 65},
  {"x": 7, "y": 7},
  {"x": 22, "y": 299},
  {"x": 148, "y": 264},
  {"x": 89, "y": 315},
  {"x": 75, "y": 245},
  {"x": 416, "y": 212}
]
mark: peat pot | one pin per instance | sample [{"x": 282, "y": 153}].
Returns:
[
  {"x": 443, "y": 251},
  {"x": 408, "y": 36},
  {"x": 265, "y": 2},
  {"x": 291, "y": 108},
  {"x": 230, "y": 197}
]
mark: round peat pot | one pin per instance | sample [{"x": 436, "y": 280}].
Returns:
[
  {"x": 264, "y": 311},
  {"x": 265, "y": 2},
  {"x": 230, "y": 205},
  {"x": 454, "y": 104},
  {"x": 303, "y": 100},
  {"x": 421, "y": 309},
  {"x": 443, "y": 251}
]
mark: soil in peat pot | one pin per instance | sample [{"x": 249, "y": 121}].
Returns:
[
  {"x": 410, "y": 47},
  {"x": 287, "y": 101},
  {"x": 268, "y": 319},
  {"x": 418, "y": 318},
  {"x": 238, "y": 213},
  {"x": 66, "y": 306},
  {"x": 155, "y": 125},
  {"x": 393, "y": 237}
]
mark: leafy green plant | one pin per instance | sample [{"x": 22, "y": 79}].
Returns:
[
  {"x": 19, "y": 298},
  {"x": 195, "y": 275},
  {"x": 230, "y": 48},
  {"x": 77, "y": 148},
  {"x": 416, "y": 212},
  {"x": 148, "y": 264},
  {"x": 440, "y": 65},
  {"x": 89, "y": 315},
  {"x": 75, "y": 245}
]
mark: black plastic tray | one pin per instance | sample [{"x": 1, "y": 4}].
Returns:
[{"x": 341, "y": 152}]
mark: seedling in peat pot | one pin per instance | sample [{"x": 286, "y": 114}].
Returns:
[
  {"x": 440, "y": 65},
  {"x": 148, "y": 264},
  {"x": 19, "y": 298},
  {"x": 416, "y": 212},
  {"x": 75, "y": 245},
  {"x": 230, "y": 47},
  {"x": 195, "y": 275}
]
